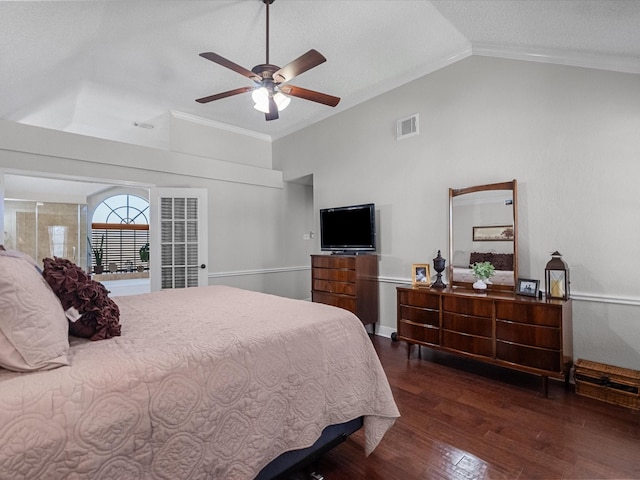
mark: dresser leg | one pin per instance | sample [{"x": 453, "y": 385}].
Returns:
[
  {"x": 545, "y": 386},
  {"x": 410, "y": 347}
]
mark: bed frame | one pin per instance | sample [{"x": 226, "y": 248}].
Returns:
[{"x": 288, "y": 463}]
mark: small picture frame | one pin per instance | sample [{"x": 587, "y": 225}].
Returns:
[
  {"x": 421, "y": 274},
  {"x": 528, "y": 287}
]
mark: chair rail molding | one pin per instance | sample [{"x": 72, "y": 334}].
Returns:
[{"x": 575, "y": 296}]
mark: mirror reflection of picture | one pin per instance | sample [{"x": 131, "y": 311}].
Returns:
[
  {"x": 421, "y": 275},
  {"x": 502, "y": 233}
]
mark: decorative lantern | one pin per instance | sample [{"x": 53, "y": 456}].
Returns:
[{"x": 556, "y": 275}]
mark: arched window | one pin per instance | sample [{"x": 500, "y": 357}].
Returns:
[
  {"x": 122, "y": 209},
  {"x": 120, "y": 234}
]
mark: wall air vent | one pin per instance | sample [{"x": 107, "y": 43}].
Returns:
[{"x": 407, "y": 127}]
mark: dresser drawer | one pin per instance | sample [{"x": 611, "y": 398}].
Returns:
[
  {"x": 468, "y": 306},
  {"x": 467, "y": 343},
  {"x": 420, "y": 315},
  {"x": 530, "y": 356},
  {"x": 482, "y": 326},
  {"x": 525, "y": 313},
  {"x": 419, "y": 332},
  {"x": 417, "y": 298},
  {"x": 334, "y": 275},
  {"x": 534, "y": 335},
  {"x": 342, "y": 301},
  {"x": 333, "y": 261},
  {"x": 328, "y": 286}
]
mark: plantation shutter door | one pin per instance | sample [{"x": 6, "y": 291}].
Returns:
[{"x": 178, "y": 243}]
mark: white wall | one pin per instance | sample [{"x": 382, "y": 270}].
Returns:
[
  {"x": 198, "y": 138},
  {"x": 255, "y": 224},
  {"x": 570, "y": 136}
]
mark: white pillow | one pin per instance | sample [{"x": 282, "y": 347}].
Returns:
[
  {"x": 461, "y": 259},
  {"x": 34, "y": 332}
]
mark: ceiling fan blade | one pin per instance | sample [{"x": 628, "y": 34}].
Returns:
[
  {"x": 214, "y": 57},
  {"x": 273, "y": 110},
  {"x": 229, "y": 93},
  {"x": 305, "y": 62},
  {"x": 309, "y": 95}
]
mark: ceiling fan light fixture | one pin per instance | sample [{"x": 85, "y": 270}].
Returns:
[
  {"x": 262, "y": 107},
  {"x": 282, "y": 101},
  {"x": 260, "y": 94},
  {"x": 260, "y": 97}
]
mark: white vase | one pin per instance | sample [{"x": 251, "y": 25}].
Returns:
[{"x": 480, "y": 284}]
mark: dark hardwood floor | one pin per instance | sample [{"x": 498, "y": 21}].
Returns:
[{"x": 467, "y": 420}]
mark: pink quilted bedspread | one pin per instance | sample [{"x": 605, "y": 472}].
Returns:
[{"x": 204, "y": 383}]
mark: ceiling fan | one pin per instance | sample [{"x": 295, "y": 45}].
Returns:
[{"x": 271, "y": 81}]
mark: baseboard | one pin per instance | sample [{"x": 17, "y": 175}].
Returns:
[{"x": 383, "y": 331}]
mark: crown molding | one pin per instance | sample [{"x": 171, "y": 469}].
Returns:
[
  {"x": 561, "y": 57},
  {"x": 220, "y": 125},
  {"x": 383, "y": 87}
]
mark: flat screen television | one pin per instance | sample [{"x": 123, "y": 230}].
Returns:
[{"x": 348, "y": 229}]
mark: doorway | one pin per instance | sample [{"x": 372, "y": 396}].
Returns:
[{"x": 46, "y": 215}]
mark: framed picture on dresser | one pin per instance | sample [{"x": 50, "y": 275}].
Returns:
[
  {"x": 421, "y": 275},
  {"x": 528, "y": 287}
]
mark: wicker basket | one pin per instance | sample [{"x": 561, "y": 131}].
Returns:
[{"x": 616, "y": 385}]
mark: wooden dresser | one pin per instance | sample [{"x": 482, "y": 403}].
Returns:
[
  {"x": 347, "y": 281},
  {"x": 505, "y": 329}
]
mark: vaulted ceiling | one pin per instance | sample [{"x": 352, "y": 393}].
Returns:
[{"x": 100, "y": 67}]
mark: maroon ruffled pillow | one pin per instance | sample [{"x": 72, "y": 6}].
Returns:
[
  {"x": 477, "y": 257},
  {"x": 100, "y": 315},
  {"x": 501, "y": 261}
]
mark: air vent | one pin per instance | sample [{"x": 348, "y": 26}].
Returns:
[{"x": 407, "y": 127}]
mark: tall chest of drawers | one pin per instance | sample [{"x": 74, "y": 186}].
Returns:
[
  {"x": 509, "y": 330},
  {"x": 347, "y": 281}
]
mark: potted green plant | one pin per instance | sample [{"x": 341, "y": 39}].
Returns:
[
  {"x": 144, "y": 255},
  {"x": 98, "y": 255},
  {"x": 483, "y": 271}
]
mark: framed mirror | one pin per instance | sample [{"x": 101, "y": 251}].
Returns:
[{"x": 483, "y": 226}]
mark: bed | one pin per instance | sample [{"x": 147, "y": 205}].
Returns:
[
  {"x": 203, "y": 383},
  {"x": 500, "y": 277},
  {"x": 503, "y": 263}
]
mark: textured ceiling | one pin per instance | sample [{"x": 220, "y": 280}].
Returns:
[{"x": 98, "y": 67}]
